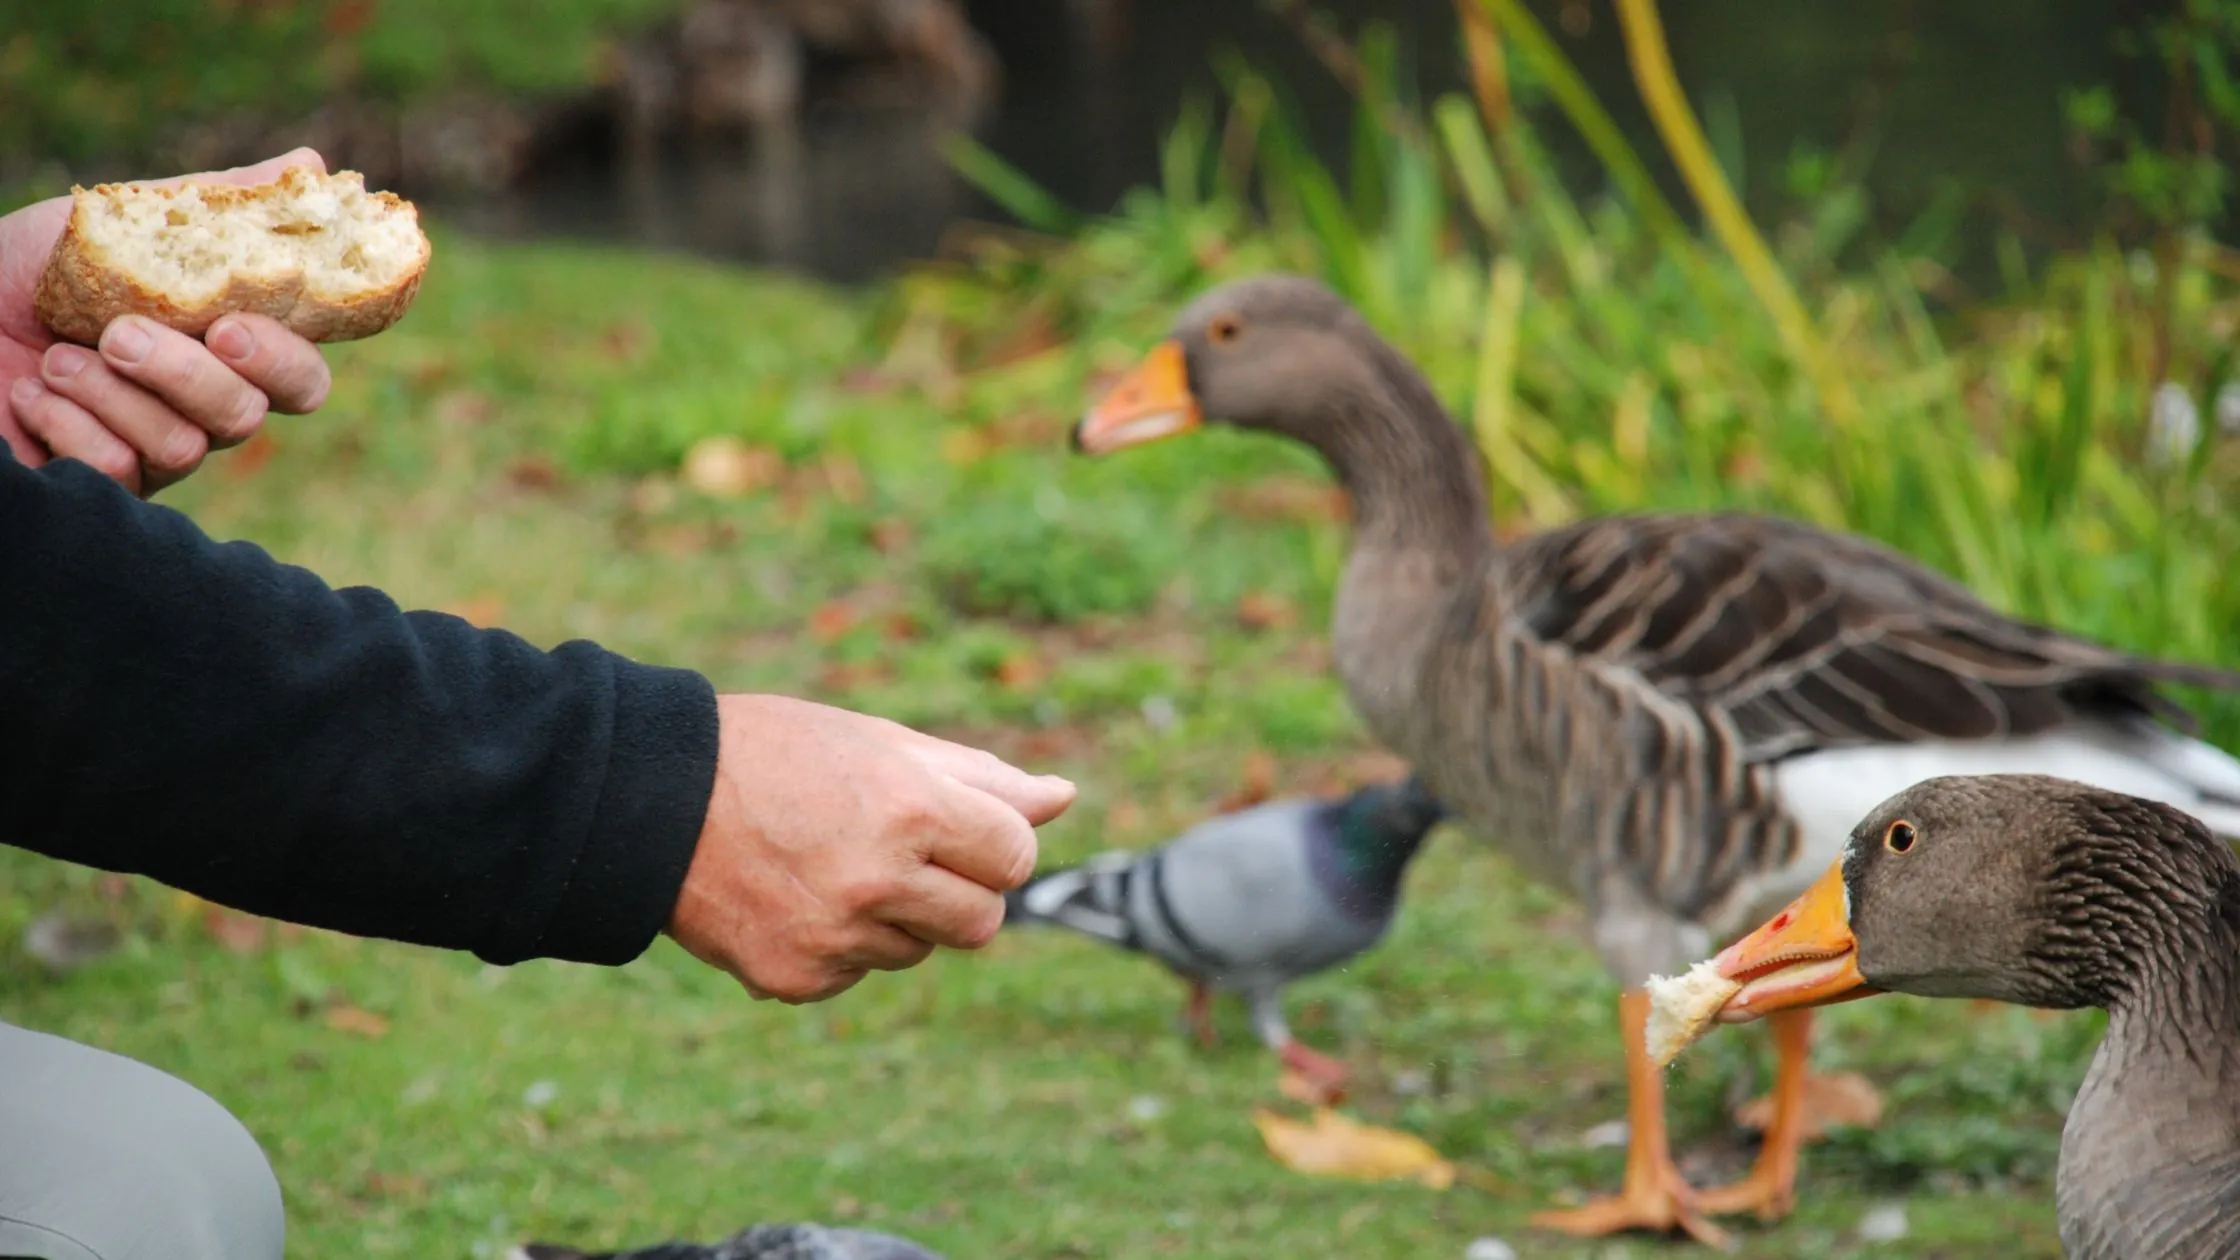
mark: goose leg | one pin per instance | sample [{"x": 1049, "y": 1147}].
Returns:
[
  {"x": 1771, "y": 1187},
  {"x": 1654, "y": 1196}
]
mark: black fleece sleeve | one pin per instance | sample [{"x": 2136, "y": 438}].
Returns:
[{"x": 202, "y": 714}]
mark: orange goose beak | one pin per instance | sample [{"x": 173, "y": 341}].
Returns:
[
  {"x": 1803, "y": 956},
  {"x": 1151, "y": 402}
]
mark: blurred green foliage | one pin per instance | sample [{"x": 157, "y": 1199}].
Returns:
[
  {"x": 2171, "y": 174},
  {"x": 106, "y": 82}
]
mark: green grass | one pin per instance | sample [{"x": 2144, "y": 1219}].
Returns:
[{"x": 505, "y": 450}]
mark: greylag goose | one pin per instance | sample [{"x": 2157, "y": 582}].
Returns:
[
  {"x": 1677, "y": 718},
  {"x": 2049, "y": 893},
  {"x": 1248, "y": 902}
]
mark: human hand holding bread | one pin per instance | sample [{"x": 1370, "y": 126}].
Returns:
[{"x": 141, "y": 329}]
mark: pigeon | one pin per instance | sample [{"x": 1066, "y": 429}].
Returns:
[
  {"x": 756, "y": 1242},
  {"x": 1248, "y": 902}
]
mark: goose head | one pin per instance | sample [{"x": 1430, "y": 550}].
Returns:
[
  {"x": 2015, "y": 888},
  {"x": 1284, "y": 355}
]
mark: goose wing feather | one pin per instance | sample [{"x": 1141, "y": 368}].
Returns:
[{"x": 1799, "y": 639}]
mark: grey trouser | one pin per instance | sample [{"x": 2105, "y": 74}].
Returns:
[{"x": 103, "y": 1158}]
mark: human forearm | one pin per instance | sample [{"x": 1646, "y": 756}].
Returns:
[{"x": 202, "y": 714}]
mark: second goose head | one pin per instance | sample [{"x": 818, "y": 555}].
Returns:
[{"x": 2016, "y": 888}]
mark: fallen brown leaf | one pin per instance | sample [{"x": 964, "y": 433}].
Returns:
[
  {"x": 831, "y": 619},
  {"x": 1029, "y": 337},
  {"x": 679, "y": 538},
  {"x": 250, "y": 458},
  {"x": 844, "y": 478},
  {"x": 534, "y": 472},
  {"x": 843, "y": 676},
  {"x": 867, "y": 380},
  {"x": 626, "y": 341},
  {"x": 1746, "y": 468},
  {"x": 357, "y": 1021},
  {"x": 348, "y": 18},
  {"x": 463, "y": 406},
  {"x": 652, "y": 496},
  {"x": 1334, "y": 1146},
  {"x": 396, "y": 1185},
  {"x": 1264, "y": 610},
  {"x": 484, "y": 610},
  {"x": 1123, "y": 818},
  {"x": 1019, "y": 671},
  {"x": 1256, "y": 784},
  {"x": 237, "y": 932},
  {"x": 431, "y": 372},
  {"x": 1840, "y": 1098},
  {"x": 1034, "y": 428},
  {"x": 890, "y": 534},
  {"x": 723, "y": 467},
  {"x": 961, "y": 445}
]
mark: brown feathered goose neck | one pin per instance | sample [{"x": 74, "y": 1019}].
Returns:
[{"x": 2049, "y": 893}]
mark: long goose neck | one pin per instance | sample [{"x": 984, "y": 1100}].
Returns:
[
  {"x": 2150, "y": 1157},
  {"x": 2178, "y": 1004},
  {"x": 1412, "y": 474},
  {"x": 1420, "y": 536}
]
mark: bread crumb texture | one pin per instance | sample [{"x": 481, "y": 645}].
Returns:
[
  {"x": 1682, "y": 1007},
  {"x": 317, "y": 252}
]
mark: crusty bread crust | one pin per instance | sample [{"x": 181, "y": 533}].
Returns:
[{"x": 82, "y": 290}]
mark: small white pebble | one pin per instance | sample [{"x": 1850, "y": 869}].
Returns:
[
  {"x": 1489, "y": 1249},
  {"x": 540, "y": 1093},
  {"x": 1409, "y": 1082},
  {"x": 2227, "y": 408},
  {"x": 2173, "y": 425},
  {"x": 1608, "y": 1134},
  {"x": 1883, "y": 1224},
  {"x": 1159, "y": 711},
  {"x": 1145, "y": 1108}
]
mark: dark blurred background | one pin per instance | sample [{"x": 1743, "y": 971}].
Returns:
[{"x": 806, "y": 133}]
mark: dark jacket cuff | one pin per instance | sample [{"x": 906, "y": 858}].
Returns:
[{"x": 660, "y": 771}]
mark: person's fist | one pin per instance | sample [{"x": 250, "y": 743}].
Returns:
[
  {"x": 149, "y": 402},
  {"x": 837, "y": 844}
]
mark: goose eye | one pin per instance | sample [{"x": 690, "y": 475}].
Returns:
[
  {"x": 1224, "y": 329},
  {"x": 1900, "y": 837}
]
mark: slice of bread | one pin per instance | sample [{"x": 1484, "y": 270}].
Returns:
[
  {"x": 1682, "y": 1007},
  {"x": 316, "y": 252}
]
